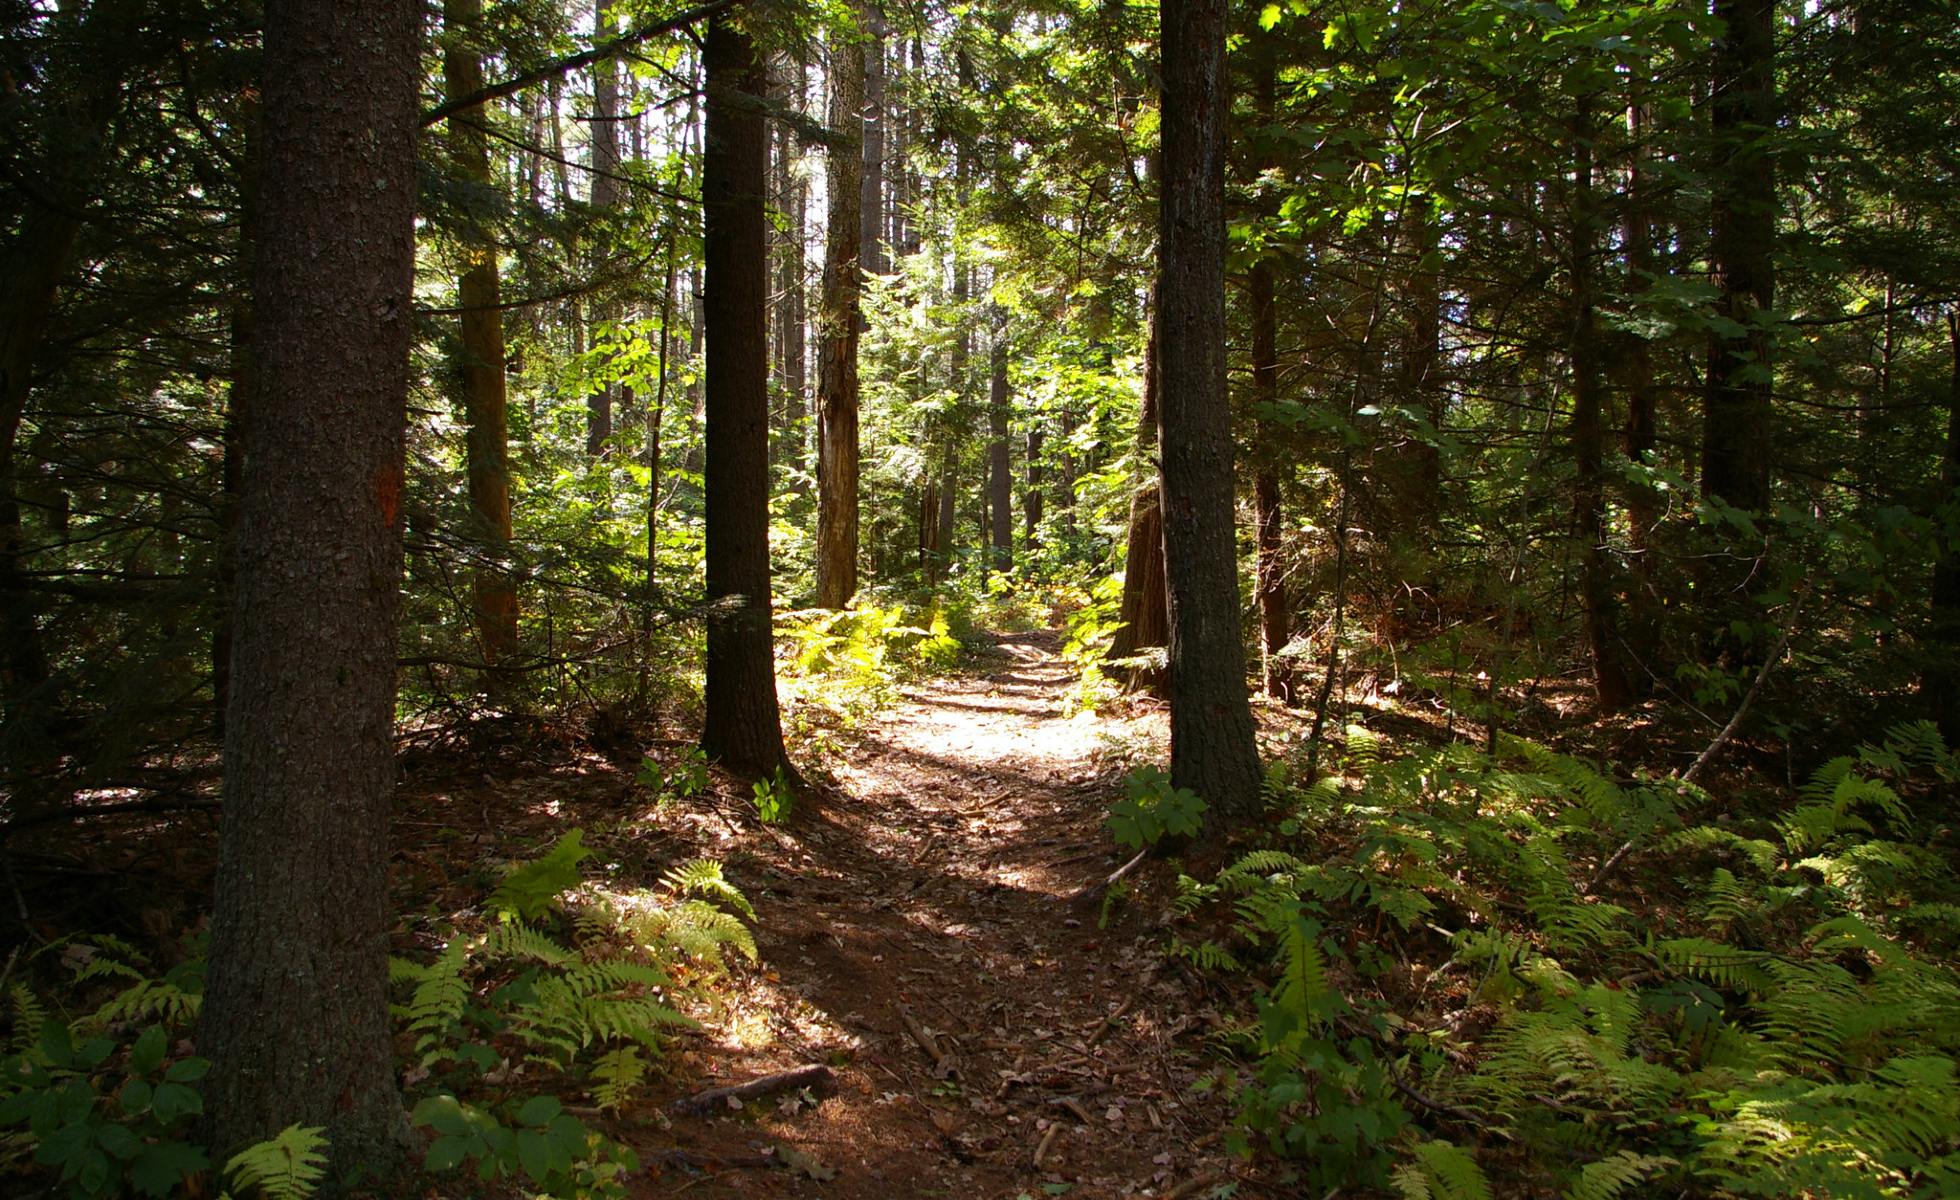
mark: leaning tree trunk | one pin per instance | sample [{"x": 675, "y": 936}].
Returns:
[
  {"x": 295, "y": 1018},
  {"x": 742, "y": 726},
  {"x": 485, "y": 406},
  {"x": 1142, "y": 619},
  {"x": 845, "y": 258},
  {"x": 1212, "y": 747}
]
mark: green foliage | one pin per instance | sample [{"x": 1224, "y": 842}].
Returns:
[
  {"x": 528, "y": 891},
  {"x": 290, "y": 1165},
  {"x": 774, "y": 798},
  {"x": 1784, "y": 1025},
  {"x": 548, "y": 1147},
  {"x": 685, "y": 779},
  {"x": 1152, "y": 809}
]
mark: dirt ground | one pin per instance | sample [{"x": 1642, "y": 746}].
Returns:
[{"x": 924, "y": 933}]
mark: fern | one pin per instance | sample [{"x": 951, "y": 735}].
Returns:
[
  {"x": 1609, "y": 1178},
  {"x": 288, "y": 1166},
  {"x": 1441, "y": 1171},
  {"x": 1207, "y": 956},
  {"x": 703, "y": 877},
  {"x": 616, "y": 1076},
  {"x": 29, "y": 1016},
  {"x": 148, "y": 1000}
]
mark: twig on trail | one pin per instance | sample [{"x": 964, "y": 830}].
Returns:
[
  {"x": 1074, "y": 1106},
  {"x": 1098, "y": 852},
  {"x": 815, "y": 1075},
  {"x": 1096, "y": 889},
  {"x": 1708, "y": 755},
  {"x": 1101, "y": 1028},
  {"x": 942, "y": 1066},
  {"x": 1193, "y": 1185},
  {"x": 1047, "y": 1140}
]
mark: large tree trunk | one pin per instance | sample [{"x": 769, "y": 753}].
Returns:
[
  {"x": 1031, "y": 501},
  {"x": 1212, "y": 748},
  {"x": 742, "y": 726},
  {"x": 485, "y": 407},
  {"x": 295, "y": 1018},
  {"x": 1000, "y": 468},
  {"x": 845, "y": 258},
  {"x": 1735, "y": 463},
  {"x": 792, "y": 348},
  {"x": 1611, "y": 687}
]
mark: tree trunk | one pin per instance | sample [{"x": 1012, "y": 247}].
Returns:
[
  {"x": 605, "y": 198},
  {"x": 1001, "y": 470},
  {"x": 1942, "y": 679},
  {"x": 485, "y": 406},
  {"x": 742, "y": 727},
  {"x": 1031, "y": 499},
  {"x": 295, "y": 1018},
  {"x": 1212, "y": 748},
  {"x": 1275, "y": 610},
  {"x": 1143, "y": 621},
  {"x": 872, "y": 100},
  {"x": 845, "y": 258},
  {"x": 1611, "y": 687},
  {"x": 1735, "y": 436}
]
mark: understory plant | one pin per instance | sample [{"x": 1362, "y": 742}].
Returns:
[{"x": 1527, "y": 975}]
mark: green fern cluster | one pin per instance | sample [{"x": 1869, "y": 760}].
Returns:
[{"x": 1786, "y": 1023}]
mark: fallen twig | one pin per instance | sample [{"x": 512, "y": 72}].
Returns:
[
  {"x": 1047, "y": 1140},
  {"x": 815, "y": 1075},
  {"x": 942, "y": 1066},
  {"x": 1096, "y": 889}
]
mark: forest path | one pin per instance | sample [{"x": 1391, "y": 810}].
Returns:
[{"x": 930, "y": 904}]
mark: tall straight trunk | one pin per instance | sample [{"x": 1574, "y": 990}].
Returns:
[
  {"x": 742, "y": 727},
  {"x": 238, "y": 404},
  {"x": 1611, "y": 687},
  {"x": 1642, "y": 427},
  {"x": 1275, "y": 609},
  {"x": 295, "y": 1018},
  {"x": 871, "y": 211},
  {"x": 1143, "y": 618},
  {"x": 792, "y": 343},
  {"x": 1735, "y": 464},
  {"x": 605, "y": 198},
  {"x": 1212, "y": 748},
  {"x": 1031, "y": 502},
  {"x": 486, "y": 409},
  {"x": 1941, "y": 681},
  {"x": 837, "y": 363},
  {"x": 1000, "y": 466}
]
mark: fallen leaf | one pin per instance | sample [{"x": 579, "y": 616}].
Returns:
[{"x": 804, "y": 1164}]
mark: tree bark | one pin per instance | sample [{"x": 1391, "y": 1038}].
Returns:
[
  {"x": 872, "y": 101},
  {"x": 1611, "y": 687},
  {"x": 845, "y": 259},
  {"x": 1000, "y": 467},
  {"x": 1735, "y": 463},
  {"x": 295, "y": 1018},
  {"x": 1031, "y": 498},
  {"x": 1213, "y": 751},
  {"x": 1143, "y": 621},
  {"x": 605, "y": 198},
  {"x": 1275, "y": 609},
  {"x": 486, "y": 408},
  {"x": 742, "y": 727},
  {"x": 1942, "y": 679}
]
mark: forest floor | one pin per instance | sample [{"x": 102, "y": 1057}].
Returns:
[{"x": 930, "y": 929}]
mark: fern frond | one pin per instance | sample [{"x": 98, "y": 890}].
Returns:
[
  {"x": 148, "y": 1000},
  {"x": 703, "y": 877},
  {"x": 1442, "y": 1171},
  {"x": 287, "y": 1166},
  {"x": 29, "y": 1016},
  {"x": 1609, "y": 1178},
  {"x": 616, "y": 1076}
]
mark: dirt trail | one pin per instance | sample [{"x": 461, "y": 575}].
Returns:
[{"x": 930, "y": 900}]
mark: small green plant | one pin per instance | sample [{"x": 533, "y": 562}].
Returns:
[
  {"x": 1152, "y": 809},
  {"x": 530, "y": 888},
  {"x": 539, "y": 1141},
  {"x": 688, "y": 777},
  {"x": 774, "y": 797},
  {"x": 939, "y": 649},
  {"x": 290, "y": 1165}
]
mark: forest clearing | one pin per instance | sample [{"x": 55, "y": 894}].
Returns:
[{"x": 1095, "y": 598}]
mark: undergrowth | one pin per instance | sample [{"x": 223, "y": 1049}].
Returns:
[{"x": 1527, "y": 976}]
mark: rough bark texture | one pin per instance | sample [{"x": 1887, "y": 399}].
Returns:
[
  {"x": 742, "y": 727},
  {"x": 486, "y": 409},
  {"x": 838, "y": 325},
  {"x": 1212, "y": 748},
  {"x": 1735, "y": 434},
  {"x": 1031, "y": 502},
  {"x": 295, "y": 1018},
  {"x": 1588, "y": 433},
  {"x": 1000, "y": 469}
]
